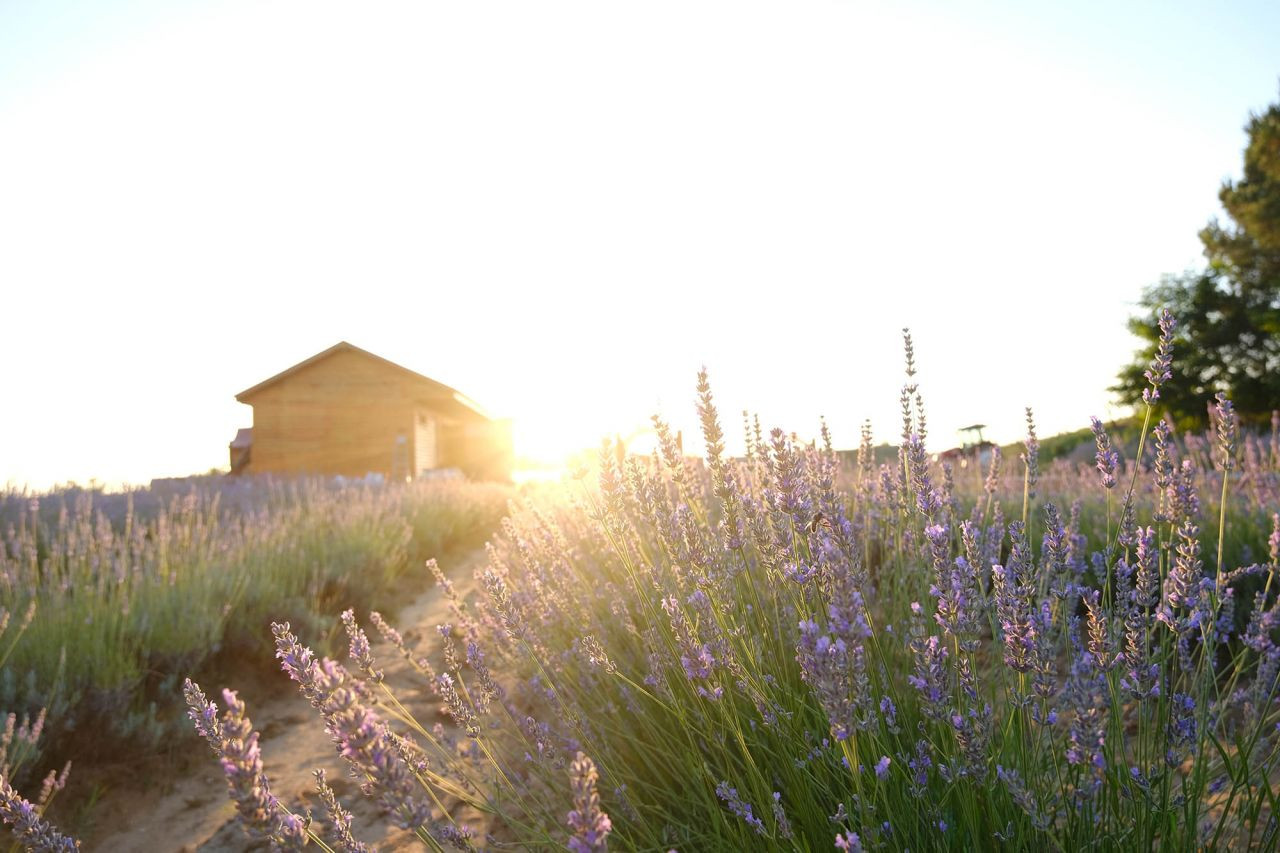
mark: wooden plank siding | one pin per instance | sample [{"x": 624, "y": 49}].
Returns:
[
  {"x": 349, "y": 412},
  {"x": 341, "y": 415},
  {"x": 426, "y": 454}
]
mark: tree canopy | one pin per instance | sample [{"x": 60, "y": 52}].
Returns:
[{"x": 1228, "y": 314}]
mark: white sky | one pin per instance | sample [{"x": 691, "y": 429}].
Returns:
[{"x": 564, "y": 209}]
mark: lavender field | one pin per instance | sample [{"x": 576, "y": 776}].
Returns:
[
  {"x": 111, "y": 599},
  {"x": 785, "y": 650}
]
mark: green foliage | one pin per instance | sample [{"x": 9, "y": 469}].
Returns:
[
  {"x": 167, "y": 586},
  {"x": 1066, "y": 445},
  {"x": 1228, "y": 313}
]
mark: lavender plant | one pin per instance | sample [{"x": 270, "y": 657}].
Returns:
[
  {"x": 783, "y": 651},
  {"x": 134, "y": 585},
  {"x": 19, "y": 746}
]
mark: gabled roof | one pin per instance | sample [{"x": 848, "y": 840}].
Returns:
[{"x": 435, "y": 392}]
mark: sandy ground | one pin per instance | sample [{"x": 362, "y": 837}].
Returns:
[{"x": 194, "y": 813}]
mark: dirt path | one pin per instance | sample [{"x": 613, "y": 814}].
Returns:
[{"x": 194, "y": 813}]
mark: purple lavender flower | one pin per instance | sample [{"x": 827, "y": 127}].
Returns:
[
  {"x": 928, "y": 501},
  {"x": 1273, "y": 542},
  {"x": 1181, "y": 732},
  {"x": 1146, "y": 586},
  {"x": 1142, "y": 676},
  {"x": 236, "y": 745},
  {"x": 52, "y": 784},
  {"x": 1099, "y": 645},
  {"x": 833, "y": 662},
  {"x": 1054, "y": 554},
  {"x": 882, "y": 767},
  {"x": 490, "y": 690},
  {"x": 1181, "y": 501},
  {"x": 1107, "y": 457},
  {"x": 339, "y": 817},
  {"x": 588, "y": 824},
  {"x": 799, "y": 573},
  {"x": 780, "y": 817},
  {"x": 849, "y": 842},
  {"x": 392, "y": 636},
  {"x": 930, "y": 677},
  {"x": 1159, "y": 372},
  {"x": 909, "y": 390},
  {"x": 957, "y": 588},
  {"x": 890, "y": 713},
  {"x": 1015, "y": 611},
  {"x": 28, "y": 826},
  {"x": 361, "y": 738},
  {"x": 1262, "y": 623},
  {"x": 1086, "y": 699},
  {"x": 836, "y": 671},
  {"x": 359, "y": 646},
  {"x": 740, "y": 808},
  {"x": 696, "y": 657},
  {"x": 1225, "y": 621},
  {"x": 1182, "y": 586},
  {"x": 1075, "y": 543},
  {"x": 1163, "y": 468},
  {"x": 459, "y": 708},
  {"x": 919, "y": 766},
  {"x": 1023, "y": 797},
  {"x": 1031, "y": 456},
  {"x": 993, "y": 472},
  {"x": 1227, "y": 427},
  {"x": 972, "y": 732}
]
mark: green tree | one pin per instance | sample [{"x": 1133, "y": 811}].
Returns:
[{"x": 1228, "y": 313}]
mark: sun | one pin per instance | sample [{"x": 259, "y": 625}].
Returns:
[{"x": 552, "y": 444}]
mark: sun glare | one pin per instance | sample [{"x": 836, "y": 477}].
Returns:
[{"x": 548, "y": 450}]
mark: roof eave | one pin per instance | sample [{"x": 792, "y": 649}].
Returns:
[
  {"x": 289, "y": 371},
  {"x": 472, "y": 405},
  {"x": 433, "y": 386}
]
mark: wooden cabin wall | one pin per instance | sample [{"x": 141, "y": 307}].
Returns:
[
  {"x": 451, "y": 446},
  {"x": 480, "y": 449},
  {"x": 341, "y": 415},
  {"x": 426, "y": 453}
]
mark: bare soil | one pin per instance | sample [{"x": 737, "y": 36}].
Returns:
[{"x": 192, "y": 811}]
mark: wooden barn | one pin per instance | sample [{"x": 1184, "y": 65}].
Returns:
[{"x": 346, "y": 411}]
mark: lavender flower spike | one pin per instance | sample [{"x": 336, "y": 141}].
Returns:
[
  {"x": 588, "y": 822},
  {"x": 358, "y": 733},
  {"x": 1227, "y": 427},
  {"x": 849, "y": 842},
  {"x": 1273, "y": 542},
  {"x": 359, "y": 648},
  {"x": 28, "y": 826},
  {"x": 236, "y": 744},
  {"x": 1160, "y": 370},
  {"x": 1107, "y": 458},
  {"x": 339, "y": 817},
  {"x": 1031, "y": 457},
  {"x": 741, "y": 808}
]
